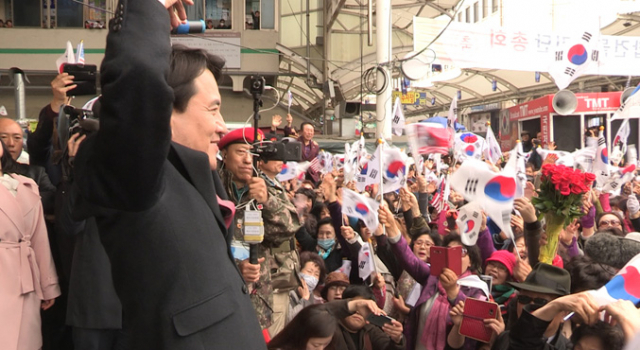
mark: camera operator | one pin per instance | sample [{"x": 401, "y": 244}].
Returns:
[
  {"x": 270, "y": 294},
  {"x": 280, "y": 224}
]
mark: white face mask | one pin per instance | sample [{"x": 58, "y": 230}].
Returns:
[{"x": 311, "y": 281}]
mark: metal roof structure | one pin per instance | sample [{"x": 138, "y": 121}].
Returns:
[{"x": 347, "y": 22}]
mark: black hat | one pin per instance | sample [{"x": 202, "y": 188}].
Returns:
[{"x": 548, "y": 279}]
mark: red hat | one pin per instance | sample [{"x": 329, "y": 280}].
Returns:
[
  {"x": 244, "y": 135},
  {"x": 504, "y": 257}
]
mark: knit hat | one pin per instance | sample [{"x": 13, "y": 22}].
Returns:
[
  {"x": 334, "y": 278},
  {"x": 504, "y": 257},
  {"x": 605, "y": 248}
]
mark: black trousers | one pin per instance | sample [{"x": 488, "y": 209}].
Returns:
[{"x": 99, "y": 339}]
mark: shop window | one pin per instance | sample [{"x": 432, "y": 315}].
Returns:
[
  {"x": 476, "y": 13},
  {"x": 260, "y": 14},
  {"x": 68, "y": 13},
  {"x": 26, "y": 13},
  {"x": 218, "y": 14},
  {"x": 56, "y": 13}
]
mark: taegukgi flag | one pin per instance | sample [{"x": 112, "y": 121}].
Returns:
[
  {"x": 494, "y": 192},
  {"x": 360, "y": 207}
]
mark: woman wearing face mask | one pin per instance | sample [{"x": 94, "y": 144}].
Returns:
[
  {"x": 325, "y": 244},
  {"x": 311, "y": 274}
]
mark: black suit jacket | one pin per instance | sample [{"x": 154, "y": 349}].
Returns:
[{"x": 155, "y": 203}]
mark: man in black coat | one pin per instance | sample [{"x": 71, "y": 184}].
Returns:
[{"x": 156, "y": 202}]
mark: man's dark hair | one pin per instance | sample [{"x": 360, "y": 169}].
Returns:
[
  {"x": 358, "y": 290},
  {"x": 307, "y": 193},
  {"x": 587, "y": 274},
  {"x": 306, "y": 123},
  {"x": 611, "y": 337},
  {"x": 186, "y": 65}
]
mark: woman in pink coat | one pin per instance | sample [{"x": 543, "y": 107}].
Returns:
[{"x": 28, "y": 279}]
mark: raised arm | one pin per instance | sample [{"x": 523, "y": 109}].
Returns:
[{"x": 121, "y": 166}]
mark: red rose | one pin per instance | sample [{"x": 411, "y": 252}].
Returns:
[
  {"x": 565, "y": 190},
  {"x": 577, "y": 188}
]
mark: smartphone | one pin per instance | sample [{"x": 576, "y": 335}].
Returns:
[
  {"x": 84, "y": 76},
  {"x": 380, "y": 320},
  {"x": 473, "y": 316},
  {"x": 449, "y": 257},
  {"x": 488, "y": 280}
]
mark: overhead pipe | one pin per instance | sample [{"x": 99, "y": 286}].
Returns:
[
  {"x": 383, "y": 77},
  {"x": 19, "y": 77}
]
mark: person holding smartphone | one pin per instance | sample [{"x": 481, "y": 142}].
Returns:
[{"x": 429, "y": 322}]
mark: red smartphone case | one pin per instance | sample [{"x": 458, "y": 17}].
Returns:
[
  {"x": 437, "y": 259},
  {"x": 449, "y": 257},
  {"x": 454, "y": 259},
  {"x": 473, "y": 316}
]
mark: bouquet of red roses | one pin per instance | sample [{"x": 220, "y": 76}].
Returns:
[{"x": 560, "y": 201}]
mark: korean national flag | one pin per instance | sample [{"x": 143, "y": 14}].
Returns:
[
  {"x": 575, "y": 58},
  {"x": 394, "y": 172},
  {"x": 360, "y": 207},
  {"x": 397, "y": 123},
  {"x": 469, "y": 221},
  {"x": 288, "y": 172},
  {"x": 494, "y": 192},
  {"x": 601, "y": 168},
  {"x": 625, "y": 285},
  {"x": 492, "y": 149},
  {"x": 469, "y": 145}
]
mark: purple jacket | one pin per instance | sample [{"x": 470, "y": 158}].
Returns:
[{"x": 420, "y": 271}]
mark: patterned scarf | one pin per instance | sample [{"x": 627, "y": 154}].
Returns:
[{"x": 434, "y": 334}]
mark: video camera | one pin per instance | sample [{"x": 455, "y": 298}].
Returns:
[
  {"x": 285, "y": 150},
  {"x": 81, "y": 121}
]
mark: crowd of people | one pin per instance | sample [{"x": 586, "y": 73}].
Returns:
[
  {"x": 6, "y": 24},
  {"x": 142, "y": 234}
]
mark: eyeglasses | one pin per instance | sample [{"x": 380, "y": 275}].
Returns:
[
  {"x": 337, "y": 288},
  {"x": 423, "y": 243},
  {"x": 609, "y": 223},
  {"x": 465, "y": 252},
  {"x": 523, "y": 299}
]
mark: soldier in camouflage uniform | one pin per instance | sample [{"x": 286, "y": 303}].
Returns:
[{"x": 277, "y": 271}]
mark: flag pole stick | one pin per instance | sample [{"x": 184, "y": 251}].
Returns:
[{"x": 380, "y": 189}]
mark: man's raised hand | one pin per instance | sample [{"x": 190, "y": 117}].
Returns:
[{"x": 177, "y": 13}]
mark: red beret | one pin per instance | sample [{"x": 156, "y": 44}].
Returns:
[{"x": 243, "y": 135}]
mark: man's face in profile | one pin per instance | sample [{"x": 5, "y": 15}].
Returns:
[{"x": 201, "y": 125}]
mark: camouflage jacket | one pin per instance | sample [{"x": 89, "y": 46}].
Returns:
[{"x": 281, "y": 222}]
